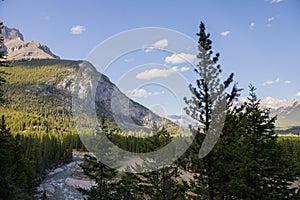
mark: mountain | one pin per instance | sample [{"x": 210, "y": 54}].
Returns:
[
  {"x": 286, "y": 110},
  {"x": 36, "y": 83},
  {"x": 16, "y": 48},
  {"x": 112, "y": 103},
  {"x": 38, "y": 76},
  {"x": 183, "y": 120}
]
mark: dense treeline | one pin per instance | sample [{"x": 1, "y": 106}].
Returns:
[
  {"x": 232, "y": 174},
  {"x": 163, "y": 183},
  {"x": 291, "y": 148},
  {"x": 293, "y": 130}
]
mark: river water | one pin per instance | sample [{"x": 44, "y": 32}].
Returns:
[{"x": 56, "y": 180}]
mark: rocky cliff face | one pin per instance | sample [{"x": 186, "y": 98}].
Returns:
[
  {"x": 16, "y": 48},
  {"x": 12, "y": 33},
  {"x": 109, "y": 100}
]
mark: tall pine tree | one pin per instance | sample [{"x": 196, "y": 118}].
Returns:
[
  {"x": 200, "y": 107},
  {"x": 258, "y": 167}
]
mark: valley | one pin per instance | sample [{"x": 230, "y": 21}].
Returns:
[{"x": 232, "y": 151}]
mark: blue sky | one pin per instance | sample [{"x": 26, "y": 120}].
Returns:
[{"x": 258, "y": 39}]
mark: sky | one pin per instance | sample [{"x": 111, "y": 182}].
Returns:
[{"x": 258, "y": 41}]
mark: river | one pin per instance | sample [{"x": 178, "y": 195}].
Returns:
[{"x": 54, "y": 182}]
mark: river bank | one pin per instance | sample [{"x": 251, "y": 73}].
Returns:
[{"x": 62, "y": 182}]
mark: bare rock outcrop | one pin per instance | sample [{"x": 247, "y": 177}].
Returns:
[{"x": 16, "y": 48}]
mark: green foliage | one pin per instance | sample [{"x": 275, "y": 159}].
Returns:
[
  {"x": 161, "y": 183},
  {"x": 253, "y": 165},
  {"x": 27, "y": 74},
  {"x": 291, "y": 147},
  {"x": 105, "y": 178},
  {"x": 5, "y": 158}
]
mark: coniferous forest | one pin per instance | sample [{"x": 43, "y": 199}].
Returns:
[{"x": 37, "y": 133}]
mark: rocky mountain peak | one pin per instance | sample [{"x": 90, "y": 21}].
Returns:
[
  {"x": 286, "y": 110},
  {"x": 16, "y": 48},
  {"x": 273, "y": 103},
  {"x": 12, "y": 33}
]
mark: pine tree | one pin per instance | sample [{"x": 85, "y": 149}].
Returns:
[
  {"x": 105, "y": 178},
  {"x": 205, "y": 96},
  {"x": 164, "y": 181},
  {"x": 23, "y": 173},
  {"x": 129, "y": 186},
  {"x": 5, "y": 159},
  {"x": 260, "y": 170}
]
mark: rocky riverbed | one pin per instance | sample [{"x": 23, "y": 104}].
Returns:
[{"x": 62, "y": 183}]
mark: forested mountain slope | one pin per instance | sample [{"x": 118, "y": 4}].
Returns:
[{"x": 38, "y": 114}]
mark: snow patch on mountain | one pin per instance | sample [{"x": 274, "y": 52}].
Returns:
[
  {"x": 286, "y": 110},
  {"x": 183, "y": 120}
]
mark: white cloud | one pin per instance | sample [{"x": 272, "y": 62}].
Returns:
[
  {"x": 252, "y": 24},
  {"x": 184, "y": 69},
  {"x": 276, "y": 1},
  {"x": 268, "y": 83},
  {"x": 225, "y": 33},
  {"x": 271, "y": 19},
  {"x": 181, "y": 58},
  {"x": 161, "y": 44},
  {"x": 298, "y": 94},
  {"x": 158, "y": 45},
  {"x": 142, "y": 93},
  {"x": 287, "y": 82},
  {"x": 271, "y": 82},
  {"x": 77, "y": 29},
  {"x": 156, "y": 73}
]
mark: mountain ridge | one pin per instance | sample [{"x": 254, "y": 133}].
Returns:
[
  {"x": 286, "y": 110},
  {"x": 60, "y": 83},
  {"x": 15, "y": 48}
]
